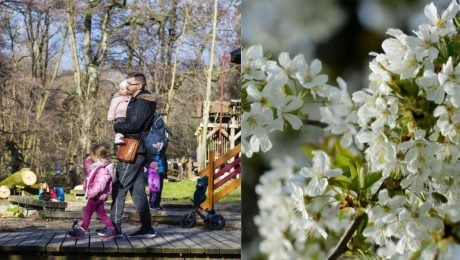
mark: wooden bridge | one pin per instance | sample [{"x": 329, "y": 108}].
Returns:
[{"x": 178, "y": 244}]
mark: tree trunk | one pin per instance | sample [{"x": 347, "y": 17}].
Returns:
[
  {"x": 207, "y": 102},
  {"x": 173, "y": 76},
  {"x": 23, "y": 177},
  {"x": 74, "y": 52}
]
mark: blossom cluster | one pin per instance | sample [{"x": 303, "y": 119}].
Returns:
[{"x": 406, "y": 125}]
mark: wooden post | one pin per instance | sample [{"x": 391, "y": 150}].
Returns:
[{"x": 210, "y": 200}]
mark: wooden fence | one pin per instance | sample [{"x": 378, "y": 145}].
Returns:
[{"x": 223, "y": 175}]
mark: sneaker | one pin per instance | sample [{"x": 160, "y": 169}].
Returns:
[
  {"x": 156, "y": 208},
  {"x": 141, "y": 233},
  {"x": 74, "y": 223},
  {"x": 109, "y": 234},
  {"x": 77, "y": 232},
  {"x": 102, "y": 232}
]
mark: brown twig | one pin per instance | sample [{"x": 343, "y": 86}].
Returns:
[
  {"x": 342, "y": 245},
  {"x": 314, "y": 123}
]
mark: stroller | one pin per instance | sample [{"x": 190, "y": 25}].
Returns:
[{"x": 214, "y": 221}]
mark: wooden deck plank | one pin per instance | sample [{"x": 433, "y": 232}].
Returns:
[
  {"x": 3, "y": 234},
  {"x": 82, "y": 245},
  {"x": 227, "y": 241},
  {"x": 138, "y": 246},
  {"x": 166, "y": 247},
  {"x": 176, "y": 242},
  {"x": 195, "y": 248},
  {"x": 68, "y": 244},
  {"x": 197, "y": 243},
  {"x": 151, "y": 245},
  {"x": 210, "y": 248},
  {"x": 54, "y": 244},
  {"x": 11, "y": 243},
  {"x": 123, "y": 245},
  {"x": 40, "y": 243},
  {"x": 7, "y": 236},
  {"x": 110, "y": 246},
  {"x": 223, "y": 248},
  {"x": 95, "y": 243},
  {"x": 25, "y": 245},
  {"x": 228, "y": 238}
]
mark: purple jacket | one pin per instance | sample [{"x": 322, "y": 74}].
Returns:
[
  {"x": 98, "y": 181},
  {"x": 153, "y": 180}
]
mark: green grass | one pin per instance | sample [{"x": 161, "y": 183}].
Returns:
[{"x": 183, "y": 191}]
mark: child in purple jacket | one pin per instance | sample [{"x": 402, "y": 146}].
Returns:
[
  {"x": 97, "y": 186},
  {"x": 153, "y": 178}
]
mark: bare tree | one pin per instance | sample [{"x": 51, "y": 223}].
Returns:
[{"x": 207, "y": 102}]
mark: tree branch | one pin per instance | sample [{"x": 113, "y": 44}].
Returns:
[
  {"x": 314, "y": 123},
  {"x": 342, "y": 245}
]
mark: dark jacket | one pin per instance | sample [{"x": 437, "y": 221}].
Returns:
[{"x": 138, "y": 114}]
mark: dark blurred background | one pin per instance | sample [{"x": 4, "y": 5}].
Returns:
[{"x": 339, "y": 33}]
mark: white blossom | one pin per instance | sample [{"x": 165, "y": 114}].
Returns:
[
  {"x": 430, "y": 84},
  {"x": 443, "y": 23},
  {"x": 252, "y": 62},
  {"x": 449, "y": 78},
  {"x": 309, "y": 76},
  {"x": 318, "y": 173},
  {"x": 405, "y": 123},
  {"x": 259, "y": 122}
]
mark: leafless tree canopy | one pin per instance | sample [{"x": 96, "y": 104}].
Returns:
[{"x": 60, "y": 61}]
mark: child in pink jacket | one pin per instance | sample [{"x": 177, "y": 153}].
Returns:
[
  {"x": 97, "y": 186},
  {"x": 118, "y": 106}
]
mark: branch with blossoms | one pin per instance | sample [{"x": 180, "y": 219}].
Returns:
[{"x": 389, "y": 184}]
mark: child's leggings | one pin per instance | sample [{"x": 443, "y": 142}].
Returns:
[{"x": 98, "y": 206}]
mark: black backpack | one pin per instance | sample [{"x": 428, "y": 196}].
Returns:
[{"x": 156, "y": 140}]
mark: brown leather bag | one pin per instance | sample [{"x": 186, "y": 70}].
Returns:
[{"x": 127, "y": 151}]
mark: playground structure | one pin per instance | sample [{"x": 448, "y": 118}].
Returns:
[
  {"x": 224, "y": 127},
  {"x": 222, "y": 176}
]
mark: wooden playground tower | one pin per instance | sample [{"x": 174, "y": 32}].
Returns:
[
  {"x": 224, "y": 128},
  {"x": 223, "y": 156}
]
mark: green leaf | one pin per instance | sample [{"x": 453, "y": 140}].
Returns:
[
  {"x": 342, "y": 160},
  {"x": 353, "y": 171},
  {"x": 341, "y": 215},
  {"x": 362, "y": 225},
  {"x": 362, "y": 178},
  {"x": 354, "y": 178},
  {"x": 340, "y": 181},
  {"x": 372, "y": 178},
  {"x": 342, "y": 150},
  {"x": 341, "y": 178}
]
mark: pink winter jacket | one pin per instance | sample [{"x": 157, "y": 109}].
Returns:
[
  {"x": 98, "y": 180},
  {"x": 118, "y": 106}
]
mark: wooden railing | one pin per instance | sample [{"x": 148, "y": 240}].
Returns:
[{"x": 222, "y": 175}]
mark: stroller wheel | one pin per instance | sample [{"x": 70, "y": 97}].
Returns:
[
  {"x": 216, "y": 222},
  {"x": 189, "y": 220}
]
